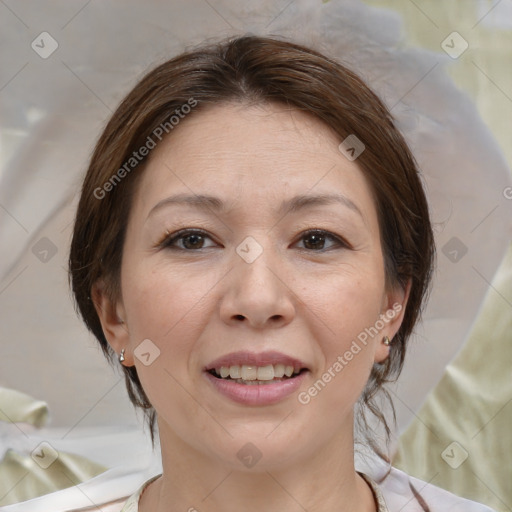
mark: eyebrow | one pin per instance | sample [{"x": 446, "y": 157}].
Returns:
[{"x": 295, "y": 204}]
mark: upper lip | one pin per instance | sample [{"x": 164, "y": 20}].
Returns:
[{"x": 255, "y": 359}]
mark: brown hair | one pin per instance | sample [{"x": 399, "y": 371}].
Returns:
[{"x": 252, "y": 69}]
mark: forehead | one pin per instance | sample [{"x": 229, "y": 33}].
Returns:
[
  {"x": 250, "y": 152},
  {"x": 236, "y": 131}
]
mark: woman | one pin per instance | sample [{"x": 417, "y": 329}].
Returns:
[{"x": 253, "y": 242}]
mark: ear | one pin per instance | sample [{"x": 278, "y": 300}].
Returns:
[
  {"x": 392, "y": 314},
  {"x": 112, "y": 317}
]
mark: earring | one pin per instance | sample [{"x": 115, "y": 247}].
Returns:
[
  {"x": 121, "y": 356},
  {"x": 387, "y": 341}
]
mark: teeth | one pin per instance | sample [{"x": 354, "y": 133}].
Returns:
[
  {"x": 235, "y": 372},
  {"x": 266, "y": 372},
  {"x": 249, "y": 372},
  {"x": 279, "y": 370},
  {"x": 256, "y": 373}
]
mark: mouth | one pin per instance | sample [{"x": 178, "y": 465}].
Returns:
[
  {"x": 256, "y": 379},
  {"x": 257, "y": 375}
]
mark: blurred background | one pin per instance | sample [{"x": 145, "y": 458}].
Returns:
[{"x": 443, "y": 68}]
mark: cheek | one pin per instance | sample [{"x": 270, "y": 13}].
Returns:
[
  {"x": 160, "y": 300},
  {"x": 351, "y": 312},
  {"x": 170, "y": 306},
  {"x": 164, "y": 307},
  {"x": 351, "y": 303}
]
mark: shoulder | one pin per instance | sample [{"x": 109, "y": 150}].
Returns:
[
  {"x": 114, "y": 491},
  {"x": 52, "y": 502},
  {"x": 405, "y": 493},
  {"x": 409, "y": 494}
]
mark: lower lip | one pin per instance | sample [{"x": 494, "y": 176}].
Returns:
[{"x": 257, "y": 394}]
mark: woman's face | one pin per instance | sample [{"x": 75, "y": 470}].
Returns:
[{"x": 246, "y": 282}]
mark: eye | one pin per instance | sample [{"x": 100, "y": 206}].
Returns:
[
  {"x": 315, "y": 240},
  {"x": 192, "y": 239}
]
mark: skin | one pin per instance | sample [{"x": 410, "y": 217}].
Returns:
[{"x": 205, "y": 301}]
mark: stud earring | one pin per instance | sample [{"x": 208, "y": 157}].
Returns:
[
  {"x": 121, "y": 356},
  {"x": 387, "y": 341}
]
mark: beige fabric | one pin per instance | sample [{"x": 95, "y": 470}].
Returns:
[
  {"x": 461, "y": 438},
  {"x": 18, "y": 407},
  {"x": 21, "y": 477}
]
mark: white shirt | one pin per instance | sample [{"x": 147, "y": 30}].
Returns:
[{"x": 393, "y": 494}]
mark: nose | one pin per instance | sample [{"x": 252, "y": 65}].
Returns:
[{"x": 258, "y": 294}]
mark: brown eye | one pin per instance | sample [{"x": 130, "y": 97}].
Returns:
[
  {"x": 316, "y": 239},
  {"x": 188, "y": 240},
  {"x": 193, "y": 241}
]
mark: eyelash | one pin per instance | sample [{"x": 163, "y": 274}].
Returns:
[{"x": 183, "y": 233}]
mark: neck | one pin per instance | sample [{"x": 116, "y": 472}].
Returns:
[{"x": 321, "y": 482}]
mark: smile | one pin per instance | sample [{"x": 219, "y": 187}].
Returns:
[
  {"x": 251, "y": 374},
  {"x": 251, "y": 391}
]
